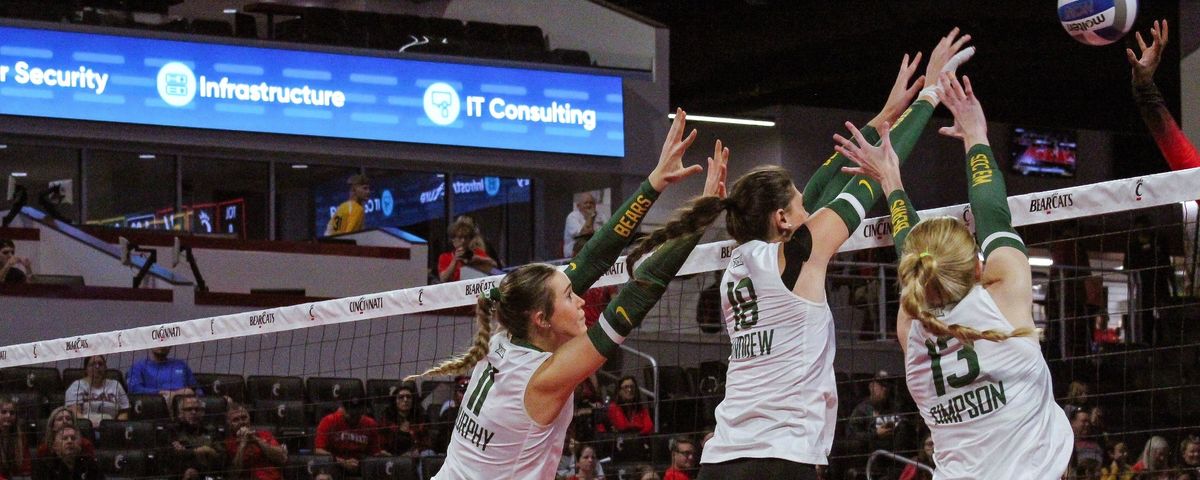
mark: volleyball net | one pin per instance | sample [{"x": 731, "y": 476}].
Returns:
[{"x": 1114, "y": 293}]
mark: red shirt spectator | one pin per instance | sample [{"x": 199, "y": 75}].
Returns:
[
  {"x": 86, "y": 448},
  {"x": 336, "y": 436},
  {"x": 595, "y": 301},
  {"x": 628, "y": 413},
  {"x": 253, "y": 459},
  {"x": 447, "y": 258}
]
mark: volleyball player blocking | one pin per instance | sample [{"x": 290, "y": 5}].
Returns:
[
  {"x": 519, "y": 401},
  {"x": 972, "y": 360}
]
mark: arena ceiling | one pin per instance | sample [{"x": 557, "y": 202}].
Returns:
[{"x": 736, "y": 56}]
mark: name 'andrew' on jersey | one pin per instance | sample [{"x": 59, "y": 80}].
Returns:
[{"x": 781, "y": 397}]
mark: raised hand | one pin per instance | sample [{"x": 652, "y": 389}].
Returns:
[
  {"x": 902, "y": 93},
  {"x": 1144, "y": 67},
  {"x": 947, "y": 56},
  {"x": 970, "y": 125},
  {"x": 670, "y": 167},
  {"x": 878, "y": 162},
  {"x": 718, "y": 168}
]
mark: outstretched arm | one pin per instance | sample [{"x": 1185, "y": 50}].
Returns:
[
  {"x": 829, "y": 179},
  {"x": 1179, "y": 152},
  {"x": 602, "y": 250},
  {"x": 555, "y": 380},
  {"x": 1006, "y": 272},
  {"x": 881, "y": 164}
]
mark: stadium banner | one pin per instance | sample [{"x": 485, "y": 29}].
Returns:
[
  {"x": 109, "y": 78},
  {"x": 1033, "y": 208}
]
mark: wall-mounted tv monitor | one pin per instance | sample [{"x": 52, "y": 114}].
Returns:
[{"x": 1044, "y": 152}]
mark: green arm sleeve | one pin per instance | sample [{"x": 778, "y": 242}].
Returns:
[
  {"x": 602, "y": 250},
  {"x": 904, "y": 216},
  {"x": 861, "y": 192},
  {"x": 830, "y": 178},
  {"x": 989, "y": 202},
  {"x": 645, "y": 288}
]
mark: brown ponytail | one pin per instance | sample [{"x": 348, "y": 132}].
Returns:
[
  {"x": 751, "y": 201},
  {"x": 698, "y": 214},
  {"x": 939, "y": 258}
]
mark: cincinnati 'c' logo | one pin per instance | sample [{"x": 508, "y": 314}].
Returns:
[
  {"x": 868, "y": 185},
  {"x": 311, "y": 316},
  {"x": 1137, "y": 191},
  {"x": 420, "y": 293}
]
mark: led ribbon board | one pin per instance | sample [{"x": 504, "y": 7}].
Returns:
[{"x": 83, "y": 76}]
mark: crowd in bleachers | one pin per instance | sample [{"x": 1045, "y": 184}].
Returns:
[{"x": 160, "y": 420}]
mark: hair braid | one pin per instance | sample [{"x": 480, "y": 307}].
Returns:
[
  {"x": 942, "y": 238},
  {"x": 699, "y": 213},
  {"x": 483, "y": 317}
]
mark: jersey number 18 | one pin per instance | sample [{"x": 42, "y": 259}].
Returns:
[{"x": 744, "y": 302}]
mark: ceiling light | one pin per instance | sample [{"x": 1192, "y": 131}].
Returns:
[
  {"x": 146, "y": 156},
  {"x": 1040, "y": 262},
  {"x": 19, "y": 174},
  {"x": 3, "y": 146},
  {"x": 729, "y": 120},
  {"x": 299, "y": 166},
  {"x": 229, "y": 11}
]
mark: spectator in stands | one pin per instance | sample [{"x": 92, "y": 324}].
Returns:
[
  {"x": 59, "y": 418},
  {"x": 68, "y": 462},
  {"x": 1189, "y": 454},
  {"x": 14, "y": 453},
  {"x": 924, "y": 457},
  {"x": 1119, "y": 467},
  {"x": 348, "y": 435},
  {"x": 96, "y": 397},
  {"x": 447, "y": 414},
  {"x": 1077, "y": 397},
  {"x": 350, "y": 214},
  {"x": 9, "y": 263},
  {"x": 645, "y": 472},
  {"x": 162, "y": 375},
  {"x": 629, "y": 417},
  {"x": 587, "y": 403},
  {"x": 251, "y": 454},
  {"x": 469, "y": 250},
  {"x": 582, "y": 222},
  {"x": 402, "y": 428},
  {"x": 683, "y": 459},
  {"x": 876, "y": 424},
  {"x": 586, "y": 466},
  {"x": 1155, "y": 461},
  {"x": 1067, "y": 309},
  {"x": 192, "y": 447},
  {"x": 1146, "y": 254},
  {"x": 1087, "y": 455}
]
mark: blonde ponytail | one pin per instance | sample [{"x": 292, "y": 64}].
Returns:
[{"x": 939, "y": 258}]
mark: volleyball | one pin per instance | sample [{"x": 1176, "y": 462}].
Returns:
[{"x": 1097, "y": 22}]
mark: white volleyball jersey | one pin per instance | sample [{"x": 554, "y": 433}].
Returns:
[
  {"x": 780, "y": 396},
  {"x": 494, "y": 437},
  {"x": 990, "y": 408}
]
